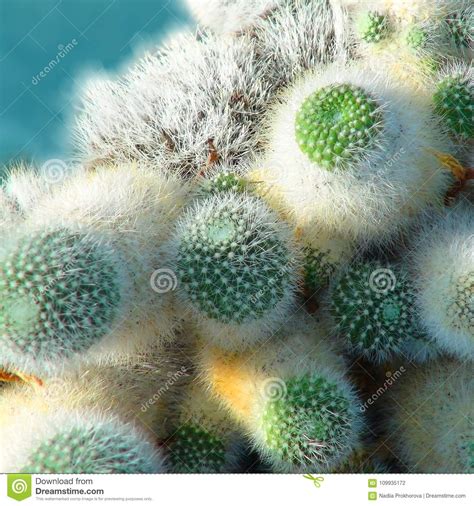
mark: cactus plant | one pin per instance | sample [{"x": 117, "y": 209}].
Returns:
[
  {"x": 86, "y": 420},
  {"x": 454, "y": 100},
  {"x": 437, "y": 397},
  {"x": 61, "y": 293},
  {"x": 443, "y": 270},
  {"x": 361, "y": 139},
  {"x": 236, "y": 266},
  {"x": 298, "y": 413},
  {"x": 203, "y": 438},
  {"x": 372, "y": 305}
]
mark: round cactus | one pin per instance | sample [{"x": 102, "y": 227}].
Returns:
[
  {"x": 312, "y": 421},
  {"x": 360, "y": 161},
  {"x": 336, "y": 124},
  {"x": 460, "y": 27},
  {"x": 60, "y": 293},
  {"x": 223, "y": 182},
  {"x": 373, "y": 26},
  {"x": 235, "y": 265},
  {"x": 454, "y": 102},
  {"x": 372, "y": 306},
  {"x": 299, "y": 414},
  {"x": 438, "y": 435},
  {"x": 102, "y": 448},
  {"x": 194, "y": 449},
  {"x": 206, "y": 439},
  {"x": 443, "y": 272},
  {"x": 417, "y": 38}
]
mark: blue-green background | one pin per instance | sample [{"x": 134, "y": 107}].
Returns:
[{"x": 34, "y": 119}]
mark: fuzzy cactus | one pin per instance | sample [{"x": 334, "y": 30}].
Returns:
[
  {"x": 204, "y": 439},
  {"x": 373, "y": 309},
  {"x": 237, "y": 268},
  {"x": 299, "y": 414},
  {"x": 60, "y": 293},
  {"x": 372, "y": 26},
  {"x": 87, "y": 421},
  {"x": 439, "y": 433},
  {"x": 443, "y": 269},
  {"x": 360, "y": 158},
  {"x": 454, "y": 100}
]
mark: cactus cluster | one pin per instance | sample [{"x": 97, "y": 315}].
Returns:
[{"x": 263, "y": 219}]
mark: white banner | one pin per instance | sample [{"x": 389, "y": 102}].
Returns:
[{"x": 238, "y": 490}]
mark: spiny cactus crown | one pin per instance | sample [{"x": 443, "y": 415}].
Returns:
[
  {"x": 318, "y": 269},
  {"x": 373, "y": 309},
  {"x": 336, "y": 124},
  {"x": 454, "y": 101},
  {"x": 461, "y": 312},
  {"x": 225, "y": 182},
  {"x": 92, "y": 450},
  {"x": 417, "y": 37},
  {"x": 460, "y": 27},
  {"x": 373, "y": 27},
  {"x": 194, "y": 450},
  {"x": 311, "y": 423},
  {"x": 231, "y": 262},
  {"x": 58, "y": 293}
]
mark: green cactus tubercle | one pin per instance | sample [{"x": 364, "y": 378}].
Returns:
[
  {"x": 89, "y": 451},
  {"x": 337, "y": 124},
  {"x": 373, "y": 27},
  {"x": 375, "y": 321},
  {"x": 58, "y": 293},
  {"x": 310, "y": 423},
  {"x": 233, "y": 273},
  {"x": 194, "y": 450},
  {"x": 454, "y": 101}
]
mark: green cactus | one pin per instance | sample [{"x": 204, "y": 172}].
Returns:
[
  {"x": 318, "y": 269},
  {"x": 337, "y": 124},
  {"x": 373, "y": 27},
  {"x": 224, "y": 182},
  {"x": 373, "y": 309},
  {"x": 461, "y": 312},
  {"x": 59, "y": 294},
  {"x": 193, "y": 450},
  {"x": 417, "y": 38},
  {"x": 312, "y": 422},
  {"x": 232, "y": 263},
  {"x": 460, "y": 28},
  {"x": 95, "y": 450},
  {"x": 454, "y": 101}
]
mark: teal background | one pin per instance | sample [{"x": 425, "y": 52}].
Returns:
[{"x": 34, "y": 118}]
